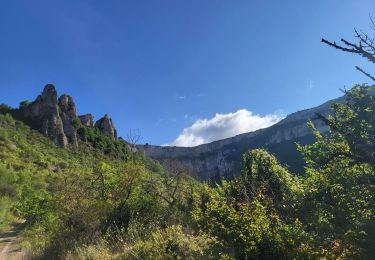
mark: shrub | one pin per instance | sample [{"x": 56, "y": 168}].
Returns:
[
  {"x": 24, "y": 103},
  {"x": 170, "y": 243}
]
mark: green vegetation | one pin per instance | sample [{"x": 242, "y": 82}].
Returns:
[
  {"x": 24, "y": 103},
  {"x": 89, "y": 203},
  {"x": 327, "y": 213},
  {"x": 102, "y": 142},
  {"x": 72, "y": 198},
  {"x": 4, "y": 109},
  {"x": 102, "y": 201}
]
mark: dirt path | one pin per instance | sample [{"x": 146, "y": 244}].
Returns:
[{"x": 10, "y": 244}]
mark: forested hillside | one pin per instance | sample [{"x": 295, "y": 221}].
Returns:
[
  {"x": 77, "y": 196},
  {"x": 81, "y": 203}
]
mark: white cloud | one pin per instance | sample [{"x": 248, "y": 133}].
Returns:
[{"x": 223, "y": 126}]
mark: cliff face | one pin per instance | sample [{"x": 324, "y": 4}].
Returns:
[
  {"x": 47, "y": 115},
  {"x": 87, "y": 120},
  {"x": 57, "y": 118},
  {"x": 68, "y": 114},
  {"x": 106, "y": 125},
  {"x": 223, "y": 158}
]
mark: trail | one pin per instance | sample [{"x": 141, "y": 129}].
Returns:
[{"x": 10, "y": 244}]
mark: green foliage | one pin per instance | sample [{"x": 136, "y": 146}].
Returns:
[
  {"x": 4, "y": 109},
  {"x": 24, "y": 103},
  {"x": 102, "y": 202},
  {"x": 71, "y": 197},
  {"x": 326, "y": 213},
  {"x": 262, "y": 173},
  {"x": 7, "y": 182},
  {"x": 170, "y": 243},
  {"x": 76, "y": 123},
  {"x": 6, "y": 215},
  {"x": 243, "y": 214},
  {"x": 103, "y": 142},
  {"x": 339, "y": 203}
]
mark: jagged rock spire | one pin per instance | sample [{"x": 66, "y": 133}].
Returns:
[
  {"x": 53, "y": 117},
  {"x": 106, "y": 125},
  {"x": 68, "y": 114},
  {"x": 87, "y": 120},
  {"x": 44, "y": 112},
  {"x": 67, "y": 105},
  {"x": 56, "y": 118}
]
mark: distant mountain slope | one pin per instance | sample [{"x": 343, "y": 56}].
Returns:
[{"x": 222, "y": 158}]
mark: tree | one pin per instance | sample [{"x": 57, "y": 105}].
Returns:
[
  {"x": 364, "y": 47},
  {"x": 339, "y": 198},
  {"x": 249, "y": 215},
  {"x": 354, "y": 121},
  {"x": 133, "y": 138}
]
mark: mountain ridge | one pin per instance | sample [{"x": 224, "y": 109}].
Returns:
[
  {"x": 222, "y": 158},
  {"x": 57, "y": 119}
]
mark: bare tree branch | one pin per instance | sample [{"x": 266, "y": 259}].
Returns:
[
  {"x": 366, "y": 40},
  {"x": 358, "y": 49},
  {"x": 365, "y": 73},
  {"x": 133, "y": 138},
  {"x": 333, "y": 44}
]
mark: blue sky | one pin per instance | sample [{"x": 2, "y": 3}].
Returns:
[{"x": 165, "y": 66}]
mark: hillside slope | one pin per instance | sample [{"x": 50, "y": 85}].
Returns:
[{"x": 79, "y": 194}]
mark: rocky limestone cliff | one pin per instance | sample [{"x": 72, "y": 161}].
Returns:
[
  {"x": 223, "y": 158},
  {"x": 68, "y": 114},
  {"x": 45, "y": 113},
  {"x": 87, "y": 120},
  {"x": 106, "y": 125},
  {"x": 57, "y": 118}
]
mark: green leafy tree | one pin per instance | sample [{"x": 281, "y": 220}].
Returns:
[
  {"x": 249, "y": 215},
  {"x": 339, "y": 203}
]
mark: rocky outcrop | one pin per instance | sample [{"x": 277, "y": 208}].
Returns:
[
  {"x": 45, "y": 114},
  {"x": 68, "y": 114},
  {"x": 58, "y": 120},
  {"x": 87, "y": 120},
  {"x": 67, "y": 105},
  {"x": 106, "y": 126}
]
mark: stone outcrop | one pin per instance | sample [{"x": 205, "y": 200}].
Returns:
[
  {"x": 44, "y": 112},
  {"x": 106, "y": 126},
  {"x": 57, "y": 118},
  {"x": 68, "y": 114},
  {"x": 87, "y": 120},
  {"x": 67, "y": 105}
]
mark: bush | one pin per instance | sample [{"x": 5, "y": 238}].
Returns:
[
  {"x": 24, "y": 103},
  {"x": 103, "y": 142},
  {"x": 170, "y": 243},
  {"x": 4, "y": 109},
  {"x": 7, "y": 182}
]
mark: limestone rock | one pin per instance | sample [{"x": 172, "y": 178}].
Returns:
[
  {"x": 222, "y": 158},
  {"x": 67, "y": 105},
  {"x": 106, "y": 125},
  {"x": 45, "y": 114},
  {"x": 57, "y": 118},
  {"x": 68, "y": 114},
  {"x": 87, "y": 120}
]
